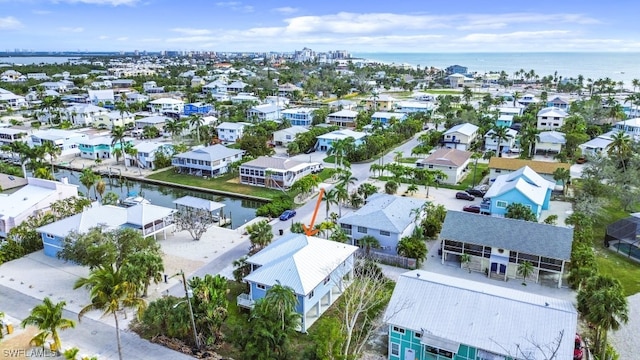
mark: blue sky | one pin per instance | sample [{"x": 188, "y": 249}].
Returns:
[{"x": 357, "y": 26}]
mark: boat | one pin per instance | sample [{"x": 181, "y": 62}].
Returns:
[{"x": 133, "y": 199}]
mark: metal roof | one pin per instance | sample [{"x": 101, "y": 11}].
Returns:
[
  {"x": 276, "y": 163},
  {"x": 384, "y": 212},
  {"x": 465, "y": 129},
  {"x": 298, "y": 261},
  {"x": 198, "y": 203},
  {"x": 342, "y": 134},
  {"x": 210, "y": 153},
  {"x": 555, "y": 137},
  {"x": 447, "y": 157},
  {"x": 504, "y": 233},
  {"x": 526, "y": 181},
  {"x": 553, "y": 111},
  {"x": 449, "y": 310}
]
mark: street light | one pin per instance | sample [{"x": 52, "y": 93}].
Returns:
[{"x": 188, "y": 301}]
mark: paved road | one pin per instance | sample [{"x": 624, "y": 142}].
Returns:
[{"x": 90, "y": 336}]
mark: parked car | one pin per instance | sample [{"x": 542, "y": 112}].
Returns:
[
  {"x": 465, "y": 196},
  {"x": 288, "y": 214},
  {"x": 476, "y": 192},
  {"x": 577, "y": 350},
  {"x": 472, "y": 208}
]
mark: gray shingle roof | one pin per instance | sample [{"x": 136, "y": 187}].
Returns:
[
  {"x": 384, "y": 212},
  {"x": 210, "y": 153},
  {"x": 517, "y": 235}
]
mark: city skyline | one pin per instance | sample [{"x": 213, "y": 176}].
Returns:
[{"x": 278, "y": 25}]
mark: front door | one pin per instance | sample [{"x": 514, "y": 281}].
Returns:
[{"x": 409, "y": 354}]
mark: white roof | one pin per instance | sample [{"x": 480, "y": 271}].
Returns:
[
  {"x": 299, "y": 110},
  {"x": 210, "y": 153},
  {"x": 232, "y": 125},
  {"x": 510, "y": 133},
  {"x": 56, "y": 134},
  {"x": 154, "y": 119},
  {"x": 10, "y": 131},
  {"x": 265, "y": 108},
  {"x": 20, "y": 201},
  {"x": 166, "y": 101},
  {"x": 85, "y": 108},
  {"x": 629, "y": 122},
  {"x": 465, "y": 129},
  {"x": 342, "y": 134},
  {"x": 100, "y": 140},
  {"x": 597, "y": 143},
  {"x": 344, "y": 113},
  {"x": 388, "y": 115},
  {"x": 149, "y": 147},
  {"x": 509, "y": 110},
  {"x": 553, "y": 112},
  {"x": 108, "y": 216},
  {"x": 554, "y": 137},
  {"x": 293, "y": 130},
  {"x": 415, "y": 104},
  {"x": 384, "y": 212},
  {"x": 451, "y": 311},
  {"x": 298, "y": 261},
  {"x": 526, "y": 181},
  {"x": 198, "y": 203}
]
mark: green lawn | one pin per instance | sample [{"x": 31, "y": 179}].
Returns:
[
  {"x": 468, "y": 180},
  {"x": 228, "y": 183},
  {"x": 326, "y": 173},
  {"x": 330, "y": 159},
  {"x": 409, "y": 160}
]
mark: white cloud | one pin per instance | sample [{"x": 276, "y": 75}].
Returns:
[
  {"x": 235, "y": 6},
  {"x": 41, "y": 12},
  {"x": 123, "y": 38},
  {"x": 513, "y": 36},
  {"x": 103, "y": 37},
  {"x": 10, "y": 23},
  {"x": 286, "y": 10},
  {"x": 103, "y": 2},
  {"x": 72, "y": 29},
  {"x": 192, "y": 32}
]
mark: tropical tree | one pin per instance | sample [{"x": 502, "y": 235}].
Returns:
[
  {"x": 475, "y": 156},
  {"x": 88, "y": 178},
  {"x": 281, "y": 300},
  {"x": 110, "y": 293},
  {"x": 525, "y": 269},
  {"x": 342, "y": 196},
  {"x": 174, "y": 127},
  {"x": 260, "y": 235},
  {"x": 100, "y": 187},
  {"x": 49, "y": 148},
  {"x": 564, "y": 175},
  {"x": 338, "y": 235},
  {"x": 143, "y": 267},
  {"x": 43, "y": 173},
  {"x": 620, "y": 148},
  {"x": 521, "y": 212},
  {"x": 412, "y": 189},
  {"x": 117, "y": 137},
  {"x": 346, "y": 178},
  {"x": 47, "y": 317},
  {"x": 465, "y": 259},
  {"x": 367, "y": 189},
  {"x": 412, "y": 247},
  {"x": 368, "y": 242},
  {"x": 499, "y": 134},
  {"x": 110, "y": 198},
  {"x": 330, "y": 198},
  {"x": 196, "y": 121},
  {"x": 391, "y": 187}
]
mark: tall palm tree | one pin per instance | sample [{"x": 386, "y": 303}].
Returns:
[
  {"x": 620, "y": 148},
  {"x": 475, "y": 156},
  {"x": 342, "y": 196},
  {"x": 88, "y": 178},
  {"x": 525, "y": 269},
  {"x": 174, "y": 127},
  {"x": 23, "y": 151},
  {"x": 330, "y": 198},
  {"x": 281, "y": 300},
  {"x": 110, "y": 293},
  {"x": 500, "y": 133},
  {"x": 197, "y": 121},
  {"x": 529, "y": 134},
  {"x": 47, "y": 317},
  {"x": 49, "y": 148},
  {"x": 101, "y": 186},
  {"x": 564, "y": 175},
  {"x": 368, "y": 242},
  {"x": 346, "y": 178},
  {"x": 117, "y": 137}
]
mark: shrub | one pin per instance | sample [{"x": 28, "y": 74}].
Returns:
[{"x": 276, "y": 207}]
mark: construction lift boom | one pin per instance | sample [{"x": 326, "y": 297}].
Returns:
[{"x": 309, "y": 230}]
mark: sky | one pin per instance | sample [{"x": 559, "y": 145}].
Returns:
[{"x": 361, "y": 26}]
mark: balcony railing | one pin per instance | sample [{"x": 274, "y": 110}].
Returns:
[
  {"x": 245, "y": 301},
  {"x": 156, "y": 227}
]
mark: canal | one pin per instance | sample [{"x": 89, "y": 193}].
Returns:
[{"x": 240, "y": 210}]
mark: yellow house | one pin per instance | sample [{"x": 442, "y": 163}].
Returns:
[
  {"x": 380, "y": 103},
  {"x": 113, "y": 119}
]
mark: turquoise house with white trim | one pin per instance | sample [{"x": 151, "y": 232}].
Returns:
[
  {"x": 100, "y": 147},
  {"x": 438, "y": 317}
]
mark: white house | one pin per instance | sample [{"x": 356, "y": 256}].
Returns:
[
  {"x": 264, "y": 112},
  {"x": 113, "y": 119},
  {"x": 167, "y": 105},
  {"x": 452, "y": 162},
  {"x": 491, "y": 142},
  {"x": 84, "y": 114},
  {"x": 9, "y": 135},
  {"x": 12, "y": 101},
  {"x": 242, "y": 98},
  {"x": 146, "y": 156},
  {"x": 34, "y": 197},
  {"x": 325, "y": 141},
  {"x": 550, "y": 141},
  {"x": 208, "y": 161},
  {"x": 410, "y": 107},
  {"x": 551, "y": 118},
  {"x": 597, "y": 145},
  {"x": 459, "y": 80},
  {"x": 66, "y": 140},
  {"x": 344, "y": 118},
  {"x": 388, "y": 218},
  {"x": 231, "y": 132},
  {"x": 630, "y": 126},
  {"x": 156, "y": 121},
  {"x": 275, "y": 172},
  {"x": 101, "y": 97},
  {"x": 460, "y": 136},
  {"x": 285, "y": 136}
]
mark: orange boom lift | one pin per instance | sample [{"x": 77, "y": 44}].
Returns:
[{"x": 309, "y": 230}]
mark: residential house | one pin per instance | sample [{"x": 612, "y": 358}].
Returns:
[
  {"x": 8, "y": 182},
  {"x": 231, "y": 132},
  {"x": 10, "y": 76},
  {"x": 215, "y": 87},
  {"x": 460, "y": 136},
  {"x": 150, "y": 87},
  {"x": 197, "y": 81},
  {"x": 452, "y": 162},
  {"x": 456, "y": 69},
  {"x": 207, "y": 161},
  {"x": 343, "y": 118},
  {"x": 559, "y": 103},
  {"x": 9, "y": 100},
  {"x": 411, "y": 107},
  {"x": 500, "y": 166},
  {"x": 275, "y": 172},
  {"x": 245, "y": 98},
  {"x": 506, "y": 115},
  {"x": 550, "y": 142},
  {"x": 65, "y": 140},
  {"x": 113, "y": 119},
  {"x": 302, "y": 116},
  {"x": 325, "y": 140},
  {"x": 192, "y": 203},
  {"x": 38, "y": 76},
  {"x": 197, "y": 108},
  {"x": 506, "y": 145},
  {"x": 84, "y": 114},
  {"x": 9, "y": 135},
  {"x": 134, "y": 97},
  {"x": 237, "y": 86},
  {"x": 288, "y": 89},
  {"x": 435, "y": 316},
  {"x": 59, "y": 86},
  {"x": 149, "y": 219},
  {"x": 342, "y": 105},
  {"x": 146, "y": 154},
  {"x": 527, "y": 99},
  {"x": 283, "y": 102},
  {"x": 551, "y": 118},
  {"x": 167, "y": 105},
  {"x": 285, "y": 136},
  {"x": 264, "y": 112},
  {"x": 317, "y": 270},
  {"x": 388, "y": 218},
  {"x": 505, "y": 243},
  {"x": 35, "y": 97},
  {"x": 523, "y": 186},
  {"x": 34, "y": 197},
  {"x": 384, "y": 117},
  {"x": 156, "y": 121},
  {"x": 100, "y": 147},
  {"x": 597, "y": 146},
  {"x": 380, "y": 102},
  {"x": 101, "y": 97},
  {"x": 122, "y": 83},
  {"x": 459, "y": 80},
  {"x": 630, "y": 126}
]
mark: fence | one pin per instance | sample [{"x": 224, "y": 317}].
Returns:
[{"x": 390, "y": 259}]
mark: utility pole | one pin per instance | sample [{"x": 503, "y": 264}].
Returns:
[{"x": 193, "y": 320}]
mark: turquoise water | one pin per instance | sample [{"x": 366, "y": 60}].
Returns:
[
  {"x": 616, "y": 66},
  {"x": 627, "y": 249}
]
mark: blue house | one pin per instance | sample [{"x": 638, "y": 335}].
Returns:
[
  {"x": 384, "y": 117},
  {"x": 148, "y": 219},
  {"x": 197, "y": 108},
  {"x": 299, "y": 116},
  {"x": 522, "y": 186},
  {"x": 325, "y": 140},
  {"x": 317, "y": 270},
  {"x": 437, "y": 317},
  {"x": 100, "y": 147}
]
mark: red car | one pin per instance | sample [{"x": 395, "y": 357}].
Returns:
[
  {"x": 577, "y": 350},
  {"x": 471, "y": 208}
]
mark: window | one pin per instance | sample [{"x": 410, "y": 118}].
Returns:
[
  {"x": 498, "y": 171},
  {"x": 362, "y": 229},
  {"x": 417, "y": 335},
  {"x": 326, "y": 281},
  {"x": 385, "y": 233},
  {"x": 395, "y": 349},
  {"x": 399, "y": 330},
  {"x": 543, "y": 124},
  {"x": 430, "y": 166},
  {"x": 311, "y": 294},
  {"x": 261, "y": 287},
  {"x": 501, "y": 204},
  {"x": 49, "y": 236}
]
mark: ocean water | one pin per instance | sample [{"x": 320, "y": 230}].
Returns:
[
  {"x": 616, "y": 66},
  {"x": 30, "y": 60}
]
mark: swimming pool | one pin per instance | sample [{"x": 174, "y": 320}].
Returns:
[{"x": 628, "y": 250}]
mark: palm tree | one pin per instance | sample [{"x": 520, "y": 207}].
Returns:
[
  {"x": 47, "y": 317},
  {"x": 281, "y": 300},
  {"x": 500, "y": 133},
  {"x": 346, "y": 178},
  {"x": 525, "y": 269},
  {"x": 24, "y": 152},
  {"x": 330, "y": 198},
  {"x": 342, "y": 196},
  {"x": 620, "y": 147},
  {"x": 88, "y": 178},
  {"x": 197, "y": 121},
  {"x": 117, "y": 137},
  {"x": 564, "y": 175},
  {"x": 475, "y": 156},
  {"x": 412, "y": 189},
  {"x": 397, "y": 156},
  {"x": 49, "y": 148},
  {"x": 368, "y": 242},
  {"x": 529, "y": 134},
  {"x": 465, "y": 259},
  {"x": 110, "y": 293},
  {"x": 175, "y": 127},
  {"x": 101, "y": 186},
  {"x": 339, "y": 148},
  {"x": 260, "y": 235},
  {"x": 43, "y": 173}
]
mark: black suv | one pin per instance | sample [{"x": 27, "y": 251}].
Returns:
[{"x": 475, "y": 192}]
